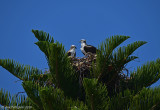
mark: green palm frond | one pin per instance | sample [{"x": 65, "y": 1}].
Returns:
[
  {"x": 53, "y": 98},
  {"x": 43, "y": 36},
  {"x": 118, "y": 60},
  {"x": 20, "y": 71},
  {"x": 146, "y": 99},
  {"x": 111, "y": 43},
  {"x": 44, "y": 47},
  {"x": 8, "y": 100},
  {"x": 105, "y": 54},
  {"x": 121, "y": 100},
  {"x": 32, "y": 91},
  {"x": 145, "y": 75},
  {"x": 60, "y": 68},
  {"x": 130, "y": 58},
  {"x": 50, "y": 98},
  {"x": 96, "y": 94},
  {"x": 123, "y": 54}
]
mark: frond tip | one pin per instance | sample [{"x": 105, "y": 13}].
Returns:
[
  {"x": 43, "y": 36},
  {"x": 20, "y": 71}
]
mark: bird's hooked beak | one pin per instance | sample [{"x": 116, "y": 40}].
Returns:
[
  {"x": 75, "y": 47},
  {"x": 80, "y": 41}
]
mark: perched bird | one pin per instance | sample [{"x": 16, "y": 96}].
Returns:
[
  {"x": 72, "y": 51},
  {"x": 87, "y": 48}
]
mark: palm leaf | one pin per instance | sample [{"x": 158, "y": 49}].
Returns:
[
  {"x": 43, "y": 36},
  {"x": 146, "y": 99},
  {"x": 96, "y": 94},
  {"x": 8, "y": 100},
  {"x": 122, "y": 55},
  {"x": 54, "y": 99},
  {"x": 32, "y": 91},
  {"x": 20, "y": 71},
  {"x": 121, "y": 100},
  {"x": 145, "y": 75},
  {"x": 60, "y": 68},
  {"x": 105, "y": 54},
  {"x": 44, "y": 47}
]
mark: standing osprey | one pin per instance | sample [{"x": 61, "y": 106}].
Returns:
[
  {"x": 72, "y": 51},
  {"x": 87, "y": 48}
]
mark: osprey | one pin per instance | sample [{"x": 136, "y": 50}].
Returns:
[
  {"x": 87, "y": 48},
  {"x": 72, "y": 51}
]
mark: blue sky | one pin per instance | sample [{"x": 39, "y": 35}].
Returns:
[{"x": 68, "y": 21}]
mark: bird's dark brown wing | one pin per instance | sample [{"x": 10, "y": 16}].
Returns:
[{"x": 90, "y": 48}]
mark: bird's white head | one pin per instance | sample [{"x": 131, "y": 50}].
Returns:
[
  {"x": 83, "y": 41},
  {"x": 73, "y": 47}
]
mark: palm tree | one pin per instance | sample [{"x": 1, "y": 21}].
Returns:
[{"x": 95, "y": 82}]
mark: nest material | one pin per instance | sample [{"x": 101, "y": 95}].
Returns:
[{"x": 83, "y": 65}]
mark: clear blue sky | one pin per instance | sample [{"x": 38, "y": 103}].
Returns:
[{"x": 68, "y": 21}]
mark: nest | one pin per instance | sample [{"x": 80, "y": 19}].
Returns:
[
  {"x": 84, "y": 68},
  {"x": 83, "y": 65}
]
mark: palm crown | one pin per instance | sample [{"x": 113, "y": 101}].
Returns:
[{"x": 105, "y": 87}]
